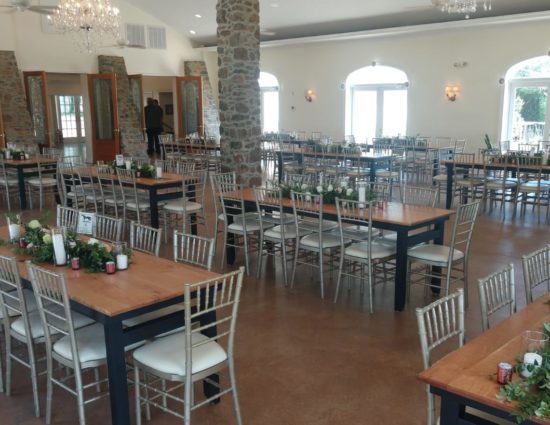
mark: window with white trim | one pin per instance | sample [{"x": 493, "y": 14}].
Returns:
[
  {"x": 70, "y": 116},
  {"x": 269, "y": 88}
]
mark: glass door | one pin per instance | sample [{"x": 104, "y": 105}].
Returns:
[
  {"x": 529, "y": 113},
  {"x": 364, "y": 115},
  {"x": 190, "y": 119},
  {"x": 136, "y": 93},
  {"x": 36, "y": 91},
  {"x": 104, "y": 109}
]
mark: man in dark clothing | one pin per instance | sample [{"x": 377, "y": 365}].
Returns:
[{"x": 153, "y": 124}]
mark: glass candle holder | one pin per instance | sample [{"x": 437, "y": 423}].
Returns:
[
  {"x": 121, "y": 254},
  {"x": 534, "y": 341}
]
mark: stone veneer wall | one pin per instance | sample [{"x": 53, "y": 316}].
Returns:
[
  {"x": 209, "y": 105},
  {"x": 129, "y": 120},
  {"x": 16, "y": 116},
  {"x": 239, "y": 70}
]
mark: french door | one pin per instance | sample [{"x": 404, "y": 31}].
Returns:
[
  {"x": 378, "y": 110},
  {"x": 529, "y": 111},
  {"x": 104, "y": 109},
  {"x": 36, "y": 89},
  {"x": 190, "y": 115}
]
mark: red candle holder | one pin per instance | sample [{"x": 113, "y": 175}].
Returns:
[
  {"x": 110, "y": 267},
  {"x": 75, "y": 263},
  {"x": 22, "y": 243}
]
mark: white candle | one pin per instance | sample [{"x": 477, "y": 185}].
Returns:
[
  {"x": 308, "y": 197},
  {"x": 362, "y": 191},
  {"x": 321, "y": 179},
  {"x": 530, "y": 359},
  {"x": 14, "y": 231},
  {"x": 121, "y": 261},
  {"x": 27, "y": 156},
  {"x": 159, "y": 172},
  {"x": 59, "y": 249},
  {"x": 128, "y": 165}
]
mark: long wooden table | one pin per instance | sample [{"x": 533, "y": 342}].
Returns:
[
  {"x": 396, "y": 217},
  {"x": 25, "y": 168},
  {"x": 149, "y": 284},
  {"x": 466, "y": 377}
]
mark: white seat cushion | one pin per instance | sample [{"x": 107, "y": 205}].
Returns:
[
  {"x": 275, "y": 232},
  {"x": 90, "y": 341},
  {"x": 499, "y": 184},
  {"x": 313, "y": 225},
  {"x": 440, "y": 177},
  {"x": 133, "y": 321},
  {"x": 46, "y": 181},
  {"x": 433, "y": 253},
  {"x": 469, "y": 182},
  {"x": 141, "y": 204},
  {"x": 329, "y": 240},
  {"x": 378, "y": 250},
  {"x": 252, "y": 225},
  {"x": 37, "y": 330},
  {"x": 167, "y": 355},
  {"x": 532, "y": 186},
  {"x": 10, "y": 182},
  {"x": 386, "y": 173},
  {"x": 30, "y": 300},
  {"x": 177, "y": 206}
]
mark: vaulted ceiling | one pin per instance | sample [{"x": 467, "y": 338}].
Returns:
[{"x": 283, "y": 19}]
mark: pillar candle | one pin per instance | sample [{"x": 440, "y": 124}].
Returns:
[
  {"x": 121, "y": 261},
  {"x": 59, "y": 249},
  {"x": 362, "y": 191}
]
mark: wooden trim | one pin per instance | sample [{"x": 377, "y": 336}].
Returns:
[
  {"x": 139, "y": 77},
  {"x": 2, "y": 130},
  {"x": 26, "y": 74},
  {"x": 200, "y": 112}
]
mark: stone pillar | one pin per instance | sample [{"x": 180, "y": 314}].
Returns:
[
  {"x": 239, "y": 70},
  {"x": 209, "y": 106},
  {"x": 16, "y": 116},
  {"x": 129, "y": 119}
]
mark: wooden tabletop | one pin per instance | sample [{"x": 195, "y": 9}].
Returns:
[
  {"x": 363, "y": 155},
  {"x": 393, "y": 212},
  {"x": 147, "y": 281},
  {"x": 33, "y": 160},
  {"x": 470, "y": 372},
  {"x": 167, "y": 178},
  {"x": 481, "y": 164}
]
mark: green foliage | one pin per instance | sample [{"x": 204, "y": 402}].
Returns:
[
  {"x": 534, "y": 103},
  {"x": 328, "y": 191},
  {"x": 93, "y": 256}
]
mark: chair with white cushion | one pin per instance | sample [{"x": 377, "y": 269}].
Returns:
[
  {"x": 536, "y": 271},
  {"x": 194, "y": 354},
  {"x": 45, "y": 183},
  {"x": 9, "y": 184},
  {"x": 363, "y": 256},
  {"x": 110, "y": 192},
  {"x": 468, "y": 180},
  {"x": 80, "y": 350},
  {"x": 451, "y": 258},
  {"x": 135, "y": 202},
  {"x": 216, "y": 180},
  {"x": 496, "y": 292},
  {"x": 499, "y": 186},
  {"x": 315, "y": 237},
  {"x": 439, "y": 322}
]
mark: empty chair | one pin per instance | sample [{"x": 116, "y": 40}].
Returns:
[
  {"x": 145, "y": 239},
  {"x": 216, "y": 180},
  {"x": 67, "y": 217},
  {"x": 497, "y": 291},
  {"x": 45, "y": 183},
  {"x": 110, "y": 192},
  {"x": 536, "y": 271},
  {"x": 194, "y": 250},
  {"x": 438, "y": 322},
  {"x": 108, "y": 228},
  {"x": 134, "y": 201},
  {"x": 9, "y": 184},
  {"x": 194, "y": 354},
  {"x": 468, "y": 182}
]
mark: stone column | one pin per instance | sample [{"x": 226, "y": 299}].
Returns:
[
  {"x": 239, "y": 70},
  {"x": 17, "y": 119},
  {"x": 129, "y": 120}
]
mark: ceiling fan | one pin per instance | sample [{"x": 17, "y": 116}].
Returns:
[{"x": 26, "y": 5}]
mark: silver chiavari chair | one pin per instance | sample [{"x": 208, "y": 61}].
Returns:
[
  {"x": 496, "y": 292},
  {"x": 108, "y": 228},
  {"x": 536, "y": 271},
  {"x": 193, "y": 249},
  {"x": 67, "y": 217},
  {"x": 145, "y": 239}
]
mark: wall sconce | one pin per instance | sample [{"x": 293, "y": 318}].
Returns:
[
  {"x": 451, "y": 92},
  {"x": 309, "y": 95}
]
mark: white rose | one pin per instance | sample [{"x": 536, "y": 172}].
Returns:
[
  {"x": 319, "y": 189},
  {"x": 93, "y": 241},
  {"x": 330, "y": 188},
  {"x": 344, "y": 183},
  {"x": 349, "y": 191},
  {"x": 34, "y": 224},
  {"x": 304, "y": 186}
]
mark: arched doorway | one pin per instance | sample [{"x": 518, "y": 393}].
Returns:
[{"x": 269, "y": 88}]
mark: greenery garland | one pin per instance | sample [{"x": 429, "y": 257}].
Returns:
[
  {"x": 146, "y": 170},
  {"x": 531, "y": 394},
  {"x": 329, "y": 192}
]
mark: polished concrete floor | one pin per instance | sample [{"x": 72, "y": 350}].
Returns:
[{"x": 301, "y": 360}]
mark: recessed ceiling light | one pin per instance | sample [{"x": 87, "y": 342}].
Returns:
[
  {"x": 192, "y": 32},
  {"x": 275, "y": 5},
  {"x": 198, "y": 16}
]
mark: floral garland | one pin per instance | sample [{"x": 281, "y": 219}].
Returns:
[
  {"x": 146, "y": 170},
  {"x": 37, "y": 243},
  {"x": 532, "y": 394},
  {"x": 329, "y": 192}
]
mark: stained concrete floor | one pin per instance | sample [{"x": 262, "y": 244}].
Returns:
[{"x": 301, "y": 360}]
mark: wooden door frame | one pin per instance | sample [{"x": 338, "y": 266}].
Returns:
[
  {"x": 44, "y": 76},
  {"x": 200, "y": 114},
  {"x": 114, "y": 104},
  {"x": 2, "y": 131},
  {"x": 139, "y": 77}
]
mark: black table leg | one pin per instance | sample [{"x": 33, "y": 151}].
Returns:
[
  {"x": 451, "y": 412},
  {"x": 116, "y": 366},
  {"x": 449, "y": 199},
  {"x": 401, "y": 270},
  {"x": 21, "y": 179},
  {"x": 439, "y": 240},
  {"x": 280, "y": 165},
  {"x": 372, "y": 171},
  {"x": 154, "y": 205},
  {"x": 230, "y": 250}
]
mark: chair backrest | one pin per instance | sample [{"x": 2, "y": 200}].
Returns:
[
  {"x": 355, "y": 213},
  {"x": 52, "y": 152},
  {"x": 193, "y": 249},
  {"x": 54, "y": 308},
  {"x": 127, "y": 182},
  {"x": 12, "y": 301},
  {"x": 145, "y": 239},
  {"x": 232, "y": 203},
  {"x": 497, "y": 291},
  {"x": 167, "y": 165},
  {"x": 107, "y": 183},
  {"x": 194, "y": 186},
  {"x": 463, "y": 228},
  {"x": 269, "y": 204},
  {"x": 297, "y": 179},
  {"x": 220, "y": 298},
  {"x": 380, "y": 189},
  {"x": 108, "y": 228},
  {"x": 46, "y": 169},
  {"x": 223, "y": 178},
  {"x": 69, "y": 185},
  {"x": 419, "y": 195},
  {"x": 308, "y": 213},
  {"x": 460, "y": 145},
  {"x": 440, "y": 321},
  {"x": 67, "y": 217},
  {"x": 536, "y": 271},
  {"x": 185, "y": 166}
]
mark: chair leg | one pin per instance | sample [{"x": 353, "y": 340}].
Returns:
[
  {"x": 234, "y": 392},
  {"x": 295, "y": 263},
  {"x": 339, "y": 279},
  {"x": 136, "y": 395},
  {"x": 80, "y": 399},
  {"x": 371, "y": 287},
  {"x": 322, "y": 283},
  {"x": 34, "y": 378},
  {"x": 8, "y": 364},
  {"x": 224, "y": 248},
  {"x": 49, "y": 389},
  {"x": 260, "y": 255}
]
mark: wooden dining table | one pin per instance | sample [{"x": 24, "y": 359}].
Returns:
[
  {"x": 26, "y": 168},
  {"x": 149, "y": 284},
  {"x": 467, "y": 377},
  {"x": 395, "y": 217}
]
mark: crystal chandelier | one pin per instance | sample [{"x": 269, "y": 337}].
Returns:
[
  {"x": 465, "y": 7},
  {"x": 90, "y": 22}
]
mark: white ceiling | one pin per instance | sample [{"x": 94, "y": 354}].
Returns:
[{"x": 300, "y": 18}]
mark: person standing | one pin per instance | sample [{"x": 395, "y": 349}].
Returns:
[{"x": 153, "y": 125}]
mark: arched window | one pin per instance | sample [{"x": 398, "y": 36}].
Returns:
[
  {"x": 526, "y": 115},
  {"x": 376, "y": 102},
  {"x": 269, "y": 87}
]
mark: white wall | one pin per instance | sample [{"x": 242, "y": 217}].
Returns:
[
  {"x": 36, "y": 50},
  {"x": 427, "y": 58}
]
